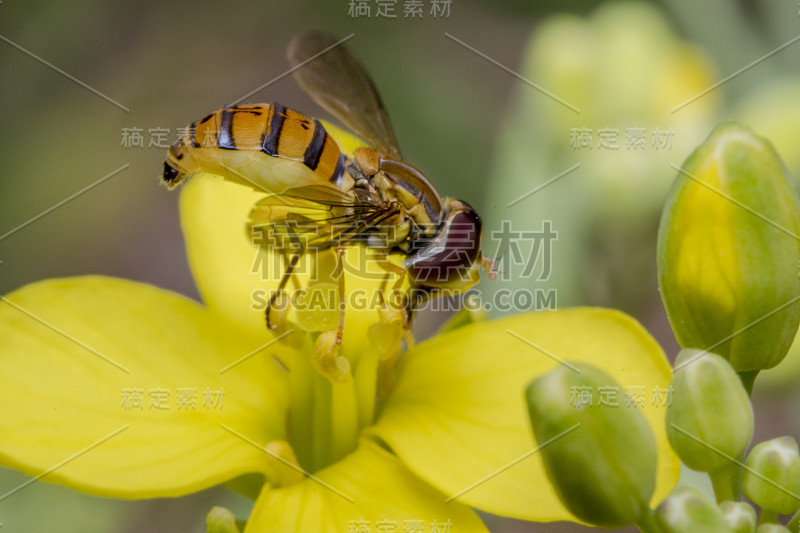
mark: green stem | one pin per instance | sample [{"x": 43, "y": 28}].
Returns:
[
  {"x": 726, "y": 483},
  {"x": 648, "y": 524},
  {"x": 768, "y": 517}
]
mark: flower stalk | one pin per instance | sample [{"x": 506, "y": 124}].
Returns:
[
  {"x": 726, "y": 481},
  {"x": 648, "y": 523}
]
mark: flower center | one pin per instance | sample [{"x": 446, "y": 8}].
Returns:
[{"x": 336, "y": 386}]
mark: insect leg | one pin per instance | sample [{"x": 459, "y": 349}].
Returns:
[
  {"x": 342, "y": 296},
  {"x": 295, "y": 282},
  {"x": 398, "y": 310},
  {"x": 281, "y": 286},
  {"x": 390, "y": 268}
]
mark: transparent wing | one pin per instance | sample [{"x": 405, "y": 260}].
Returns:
[
  {"x": 314, "y": 217},
  {"x": 339, "y": 83}
]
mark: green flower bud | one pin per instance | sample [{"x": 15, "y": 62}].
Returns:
[
  {"x": 739, "y": 516},
  {"x": 687, "y": 510},
  {"x": 710, "y": 411},
  {"x": 772, "y": 475},
  {"x": 772, "y": 528},
  {"x": 601, "y": 459},
  {"x": 728, "y": 251},
  {"x": 220, "y": 520}
]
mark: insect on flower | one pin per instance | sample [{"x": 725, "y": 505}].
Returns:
[{"x": 322, "y": 199}]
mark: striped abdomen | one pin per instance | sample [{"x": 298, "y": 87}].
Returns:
[{"x": 266, "y": 146}]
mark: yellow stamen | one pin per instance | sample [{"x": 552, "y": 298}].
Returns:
[
  {"x": 327, "y": 360},
  {"x": 285, "y": 470}
]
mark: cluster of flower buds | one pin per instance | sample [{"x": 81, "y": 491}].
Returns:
[
  {"x": 728, "y": 256},
  {"x": 687, "y": 510}
]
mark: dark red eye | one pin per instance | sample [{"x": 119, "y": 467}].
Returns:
[{"x": 448, "y": 260}]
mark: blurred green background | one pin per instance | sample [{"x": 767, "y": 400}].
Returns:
[{"x": 479, "y": 132}]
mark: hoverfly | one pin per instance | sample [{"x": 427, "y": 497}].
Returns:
[{"x": 321, "y": 198}]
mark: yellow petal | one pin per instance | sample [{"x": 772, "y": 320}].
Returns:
[
  {"x": 232, "y": 277},
  {"x": 79, "y": 355},
  {"x": 457, "y": 417},
  {"x": 369, "y": 489}
]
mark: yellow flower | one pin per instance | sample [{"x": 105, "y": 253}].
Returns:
[{"x": 121, "y": 389}]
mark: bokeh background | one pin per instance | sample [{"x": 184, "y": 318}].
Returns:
[{"x": 483, "y": 97}]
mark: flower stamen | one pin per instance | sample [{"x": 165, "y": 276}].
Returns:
[
  {"x": 283, "y": 465},
  {"x": 326, "y": 359}
]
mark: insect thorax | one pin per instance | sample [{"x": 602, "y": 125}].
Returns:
[{"x": 403, "y": 222}]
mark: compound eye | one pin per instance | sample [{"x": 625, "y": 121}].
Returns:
[{"x": 449, "y": 260}]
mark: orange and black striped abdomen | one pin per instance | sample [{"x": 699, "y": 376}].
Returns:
[{"x": 259, "y": 131}]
